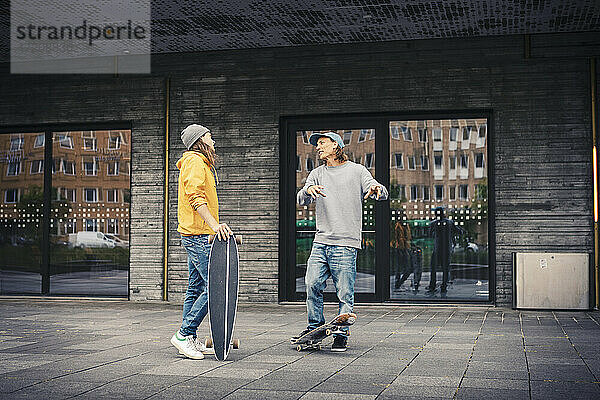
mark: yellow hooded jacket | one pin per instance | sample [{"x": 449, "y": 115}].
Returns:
[{"x": 197, "y": 186}]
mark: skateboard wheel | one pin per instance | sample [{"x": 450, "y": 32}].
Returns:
[
  {"x": 318, "y": 347},
  {"x": 327, "y": 332},
  {"x": 235, "y": 343},
  {"x": 208, "y": 342},
  {"x": 299, "y": 347}
]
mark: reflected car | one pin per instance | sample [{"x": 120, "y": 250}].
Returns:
[
  {"x": 470, "y": 248},
  {"x": 91, "y": 239},
  {"x": 118, "y": 242}
]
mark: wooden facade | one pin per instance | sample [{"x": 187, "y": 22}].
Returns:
[{"x": 541, "y": 119}]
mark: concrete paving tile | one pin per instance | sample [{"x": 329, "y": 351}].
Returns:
[
  {"x": 247, "y": 394},
  {"x": 484, "y": 383},
  {"x": 416, "y": 380},
  {"x": 560, "y": 372},
  {"x": 336, "y": 396},
  {"x": 496, "y": 394},
  {"x": 369, "y": 388},
  {"x": 564, "y": 390},
  {"x": 399, "y": 391}
]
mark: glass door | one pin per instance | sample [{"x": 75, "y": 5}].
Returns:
[
  {"x": 438, "y": 209},
  {"x": 21, "y": 212},
  {"x": 359, "y": 146}
]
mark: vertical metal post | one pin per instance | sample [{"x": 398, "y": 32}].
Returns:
[
  {"x": 166, "y": 195},
  {"x": 595, "y": 169},
  {"x": 46, "y": 210}
]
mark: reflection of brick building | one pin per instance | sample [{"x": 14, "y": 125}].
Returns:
[
  {"x": 440, "y": 163},
  {"x": 90, "y": 180},
  {"x": 432, "y": 163}
]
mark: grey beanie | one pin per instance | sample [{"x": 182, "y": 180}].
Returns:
[{"x": 192, "y": 133}]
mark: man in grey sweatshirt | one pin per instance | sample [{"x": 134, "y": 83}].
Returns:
[{"x": 338, "y": 189}]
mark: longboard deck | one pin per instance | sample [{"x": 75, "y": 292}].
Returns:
[{"x": 223, "y": 283}]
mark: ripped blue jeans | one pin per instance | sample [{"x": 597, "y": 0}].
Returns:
[{"x": 337, "y": 262}]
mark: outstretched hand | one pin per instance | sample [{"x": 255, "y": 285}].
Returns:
[
  {"x": 315, "y": 190},
  {"x": 374, "y": 189}
]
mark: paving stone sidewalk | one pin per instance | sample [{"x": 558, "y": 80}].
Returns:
[{"x": 53, "y": 349}]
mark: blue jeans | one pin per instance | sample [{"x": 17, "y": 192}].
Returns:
[
  {"x": 195, "y": 305},
  {"x": 337, "y": 262}
]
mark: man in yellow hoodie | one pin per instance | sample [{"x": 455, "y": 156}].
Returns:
[{"x": 198, "y": 217}]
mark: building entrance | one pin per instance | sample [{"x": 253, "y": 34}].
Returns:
[{"x": 430, "y": 241}]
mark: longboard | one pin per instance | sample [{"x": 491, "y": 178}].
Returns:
[
  {"x": 223, "y": 283},
  {"x": 312, "y": 340}
]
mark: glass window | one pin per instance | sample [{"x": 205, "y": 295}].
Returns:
[
  {"x": 298, "y": 164},
  {"x": 412, "y": 163},
  {"x": 67, "y": 194},
  {"x": 426, "y": 195},
  {"x": 464, "y": 161},
  {"x": 16, "y": 143},
  {"x": 414, "y": 192},
  {"x": 437, "y": 134},
  {"x": 40, "y": 140},
  {"x": 425, "y": 163},
  {"x": 437, "y": 161},
  {"x": 90, "y": 142},
  {"x": 452, "y": 192},
  {"x": 90, "y": 225},
  {"x": 37, "y": 166},
  {"x": 68, "y": 167},
  {"x": 439, "y": 192},
  {"x": 422, "y": 135},
  {"x": 112, "y": 195},
  {"x": 65, "y": 141},
  {"x": 479, "y": 160},
  {"x": 394, "y": 132},
  {"x": 347, "y": 137},
  {"x": 398, "y": 161},
  {"x": 90, "y": 167},
  {"x": 90, "y": 195},
  {"x": 113, "y": 168},
  {"x": 14, "y": 168},
  {"x": 114, "y": 142},
  {"x": 466, "y": 133},
  {"x": 463, "y": 193},
  {"x": 112, "y": 226},
  {"x": 452, "y": 162},
  {"x": 12, "y": 196},
  {"x": 369, "y": 160},
  {"x": 453, "y": 134},
  {"x": 482, "y": 130},
  {"x": 407, "y": 133},
  {"x": 362, "y": 135},
  {"x": 310, "y": 164},
  {"x": 397, "y": 191}
]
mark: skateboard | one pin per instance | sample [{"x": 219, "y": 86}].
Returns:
[
  {"x": 223, "y": 283},
  {"x": 312, "y": 340}
]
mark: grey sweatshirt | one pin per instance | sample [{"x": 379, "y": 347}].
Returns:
[{"x": 339, "y": 215}]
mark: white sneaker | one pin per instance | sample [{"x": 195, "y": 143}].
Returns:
[
  {"x": 186, "y": 346},
  {"x": 201, "y": 347}
]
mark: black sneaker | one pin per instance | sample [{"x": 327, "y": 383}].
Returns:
[
  {"x": 294, "y": 339},
  {"x": 340, "y": 343}
]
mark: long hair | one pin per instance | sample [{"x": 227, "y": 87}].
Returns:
[
  {"x": 205, "y": 150},
  {"x": 340, "y": 155}
]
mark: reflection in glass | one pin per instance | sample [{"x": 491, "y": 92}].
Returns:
[
  {"x": 438, "y": 230},
  {"x": 89, "y": 241},
  {"x": 21, "y": 204},
  {"x": 360, "y": 148}
]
